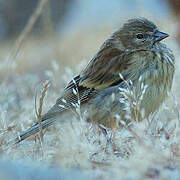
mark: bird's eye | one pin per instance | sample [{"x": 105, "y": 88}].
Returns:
[{"x": 140, "y": 36}]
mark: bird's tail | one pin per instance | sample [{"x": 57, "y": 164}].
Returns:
[
  {"x": 47, "y": 120},
  {"x": 33, "y": 130}
]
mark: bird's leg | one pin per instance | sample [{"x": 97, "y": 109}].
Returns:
[
  {"x": 109, "y": 139},
  {"x": 114, "y": 146},
  {"x": 104, "y": 131}
]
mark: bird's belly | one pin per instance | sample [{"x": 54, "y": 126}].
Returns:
[
  {"x": 153, "y": 98},
  {"x": 113, "y": 105}
]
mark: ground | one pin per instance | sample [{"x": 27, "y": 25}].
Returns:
[{"x": 147, "y": 150}]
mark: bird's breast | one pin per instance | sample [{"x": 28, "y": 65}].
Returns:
[{"x": 156, "y": 75}]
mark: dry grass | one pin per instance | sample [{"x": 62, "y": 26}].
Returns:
[
  {"x": 46, "y": 85},
  {"x": 148, "y": 150}
]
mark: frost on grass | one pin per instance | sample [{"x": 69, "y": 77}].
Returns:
[
  {"x": 149, "y": 149},
  {"x": 146, "y": 150}
]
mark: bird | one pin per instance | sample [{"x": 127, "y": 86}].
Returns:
[{"x": 127, "y": 79}]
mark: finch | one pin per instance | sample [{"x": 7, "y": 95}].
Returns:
[{"x": 131, "y": 73}]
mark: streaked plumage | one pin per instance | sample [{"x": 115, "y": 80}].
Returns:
[{"x": 133, "y": 56}]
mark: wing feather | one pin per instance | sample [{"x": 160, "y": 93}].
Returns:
[{"x": 103, "y": 70}]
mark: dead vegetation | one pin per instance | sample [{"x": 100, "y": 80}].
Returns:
[{"x": 147, "y": 150}]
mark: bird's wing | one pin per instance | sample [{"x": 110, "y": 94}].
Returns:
[
  {"x": 104, "y": 69},
  {"x": 73, "y": 96}
]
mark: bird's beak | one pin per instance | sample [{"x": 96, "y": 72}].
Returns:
[{"x": 158, "y": 36}]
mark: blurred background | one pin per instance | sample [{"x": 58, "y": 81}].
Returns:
[
  {"x": 69, "y": 31},
  {"x": 76, "y": 15},
  {"x": 54, "y": 40}
]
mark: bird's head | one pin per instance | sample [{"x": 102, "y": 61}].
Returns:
[{"x": 139, "y": 33}]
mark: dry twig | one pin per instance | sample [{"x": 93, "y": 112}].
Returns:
[{"x": 34, "y": 17}]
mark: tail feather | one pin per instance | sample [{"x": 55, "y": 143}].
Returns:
[
  {"x": 62, "y": 105},
  {"x": 33, "y": 130}
]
